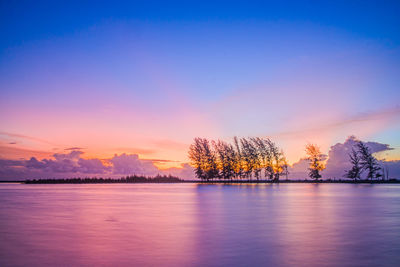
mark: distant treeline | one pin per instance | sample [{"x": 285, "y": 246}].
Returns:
[
  {"x": 259, "y": 158},
  {"x": 95, "y": 180}
]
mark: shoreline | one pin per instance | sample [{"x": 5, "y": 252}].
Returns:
[{"x": 391, "y": 181}]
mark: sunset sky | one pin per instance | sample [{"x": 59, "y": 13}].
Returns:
[{"x": 147, "y": 77}]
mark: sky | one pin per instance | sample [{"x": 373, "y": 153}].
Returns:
[{"x": 136, "y": 81}]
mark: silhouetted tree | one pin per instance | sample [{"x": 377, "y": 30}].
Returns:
[
  {"x": 203, "y": 158},
  {"x": 269, "y": 166},
  {"x": 226, "y": 158},
  {"x": 277, "y": 157},
  {"x": 356, "y": 169},
  {"x": 262, "y": 153},
  {"x": 315, "y": 158},
  {"x": 210, "y": 162},
  {"x": 257, "y": 158},
  {"x": 249, "y": 156},
  {"x": 196, "y": 157},
  {"x": 245, "y": 159},
  {"x": 231, "y": 158},
  {"x": 238, "y": 159},
  {"x": 368, "y": 161}
]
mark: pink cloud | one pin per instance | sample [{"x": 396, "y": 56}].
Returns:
[{"x": 71, "y": 164}]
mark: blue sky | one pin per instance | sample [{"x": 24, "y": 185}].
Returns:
[{"x": 139, "y": 74}]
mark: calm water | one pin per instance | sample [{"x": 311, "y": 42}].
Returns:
[{"x": 200, "y": 225}]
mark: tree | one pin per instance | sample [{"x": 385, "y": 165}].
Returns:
[
  {"x": 315, "y": 157},
  {"x": 269, "y": 165},
  {"x": 256, "y": 157},
  {"x": 238, "y": 159},
  {"x": 368, "y": 161},
  {"x": 226, "y": 157},
  {"x": 210, "y": 162},
  {"x": 203, "y": 158},
  {"x": 249, "y": 155},
  {"x": 230, "y": 155},
  {"x": 196, "y": 158},
  {"x": 220, "y": 157},
  {"x": 262, "y": 153},
  {"x": 246, "y": 158},
  {"x": 356, "y": 169},
  {"x": 277, "y": 157}
]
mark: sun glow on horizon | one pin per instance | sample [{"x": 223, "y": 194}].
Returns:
[{"x": 147, "y": 83}]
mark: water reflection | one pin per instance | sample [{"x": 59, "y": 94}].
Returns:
[{"x": 200, "y": 225}]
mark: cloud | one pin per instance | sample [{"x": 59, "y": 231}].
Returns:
[
  {"x": 136, "y": 150},
  {"x": 22, "y": 136},
  {"x": 377, "y": 115},
  {"x": 11, "y": 169},
  {"x": 129, "y": 164},
  {"x": 92, "y": 166},
  {"x": 299, "y": 170},
  {"x": 393, "y": 168},
  {"x": 71, "y": 164},
  {"x": 13, "y": 152},
  {"x": 74, "y": 148},
  {"x": 161, "y": 160},
  {"x": 186, "y": 172},
  {"x": 338, "y": 161},
  {"x": 60, "y": 166}
]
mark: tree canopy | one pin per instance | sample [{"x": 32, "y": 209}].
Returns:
[{"x": 246, "y": 158}]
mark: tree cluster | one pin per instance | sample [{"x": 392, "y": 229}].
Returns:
[
  {"x": 245, "y": 158},
  {"x": 362, "y": 160},
  {"x": 248, "y": 158}
]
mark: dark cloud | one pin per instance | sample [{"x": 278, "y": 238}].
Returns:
[
  {"x": 10, "y": 163},
  {"x": 71, "y": 156},
  {"x": 92, "y": 166},
  {"x": 11, "y": 169},
  {"x": 67, "y": 164},
  {"x": 61, "y": 165},
  {"x": 33, "y": 163}
]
